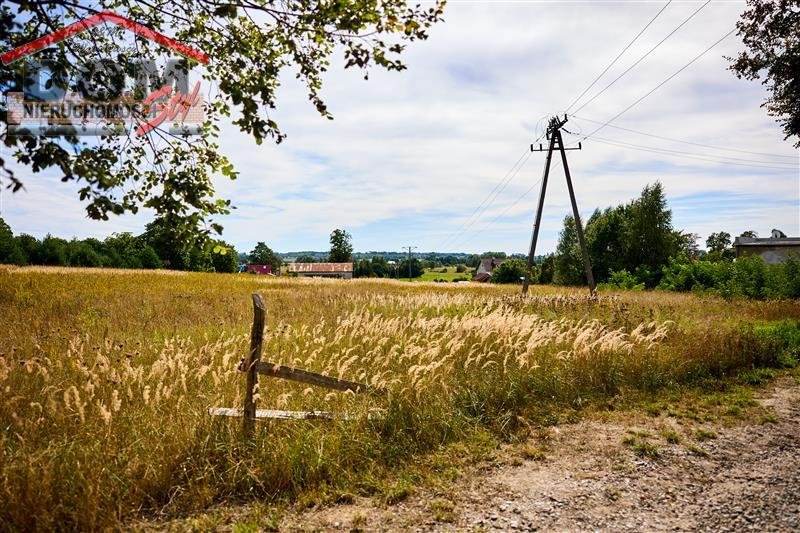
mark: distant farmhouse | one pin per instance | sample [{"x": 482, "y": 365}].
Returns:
[
  {"x": 775, "y": 249},
  {"x": 485, "y": 269},
  {"x": 321, "y": 270},
  {"x": 258, "y": 269}
]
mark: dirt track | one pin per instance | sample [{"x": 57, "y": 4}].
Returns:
[{"x": 591, "y": 480}]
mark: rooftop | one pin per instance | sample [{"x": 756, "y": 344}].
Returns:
[
  {"x": 768, "y": 241},
  {"x": 320, "y": 267}
]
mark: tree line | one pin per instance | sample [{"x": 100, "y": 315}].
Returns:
[
  {"x": 631, "y": 246},
  {"x": 634, "y": 246},
  {"x": 155, "y": 248}
]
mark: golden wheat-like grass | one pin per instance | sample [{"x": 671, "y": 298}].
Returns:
[{"x": 106, "y": 378}]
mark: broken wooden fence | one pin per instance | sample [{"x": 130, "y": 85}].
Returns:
[{"x": 252, "y": 366}]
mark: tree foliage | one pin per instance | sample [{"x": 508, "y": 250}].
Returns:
[
  {"x": 152, "y": 249},
  {"x": 11, "y": 253},
  {"x": 381, "y": 267},
  {"x": 747, "y": 277},
  {"x": 251, "y": 46},
  {"x": 636, "y": 237},
  {"x": 718, "y": 242},
  {"x": 410, "y": 269},
  {"x": 651, "y": 239},
  {"x": 719, "y": 247},
  {"x": 341, "y": 247},
  {"x": 769, "y": 30},
  {"x": 224, "y": 258},
  {"x": 376, "y": 267},
  {"x": 509, "y": 271},
  {"x": 545, "y": 269},
  {"x": 568, "y": 268},
  {"x": 363, "y": 269},
  {"x": 263, "y": 255}
]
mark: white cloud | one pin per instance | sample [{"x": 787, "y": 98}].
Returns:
[{"x": 410, "y": 155}]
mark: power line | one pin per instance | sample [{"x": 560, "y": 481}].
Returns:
[
  {"x": 674, "y": 153},
  {"x": 661, "y": 137},
  {"x": 670, "y": 34},
  {"x": 484, "y": 205},
  {"x": 710, "y": 157},
  {"x": 517, "y": 166},
  {"x": 654, "y": 89},
  {"x": 485, "y": 199},
  {"x": 521, "y": 197},
  {"x": 501, "y": 185},
  {"x": 614, "y": 61}
]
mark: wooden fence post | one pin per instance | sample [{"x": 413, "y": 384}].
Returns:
[{"x": 251, "y": 364}]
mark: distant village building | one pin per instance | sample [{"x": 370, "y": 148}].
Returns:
[
  {"x": 259, "y": 269},
  {"x": 485, "y": 269},
  {"x": 773, "y": 250},
  {"x": 321, "y": 270}
]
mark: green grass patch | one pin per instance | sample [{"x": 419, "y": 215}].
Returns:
[
  {"x": 397, "y": 492},
  {"x": 642, "y": 447},
  {"x": 533, "y": 453},
  {"x": 450, "y": 275},
  {"x": 671, "y": 436},
  {"x": 697, "y": 450},
  {"x": 704, "y": 434},
  {"x": 443, "y": 510}
]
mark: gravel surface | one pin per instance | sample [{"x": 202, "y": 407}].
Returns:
[{"x": 748, "y": 481}]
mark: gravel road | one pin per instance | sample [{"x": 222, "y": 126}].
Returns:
[{"x": 740, "y": 478}]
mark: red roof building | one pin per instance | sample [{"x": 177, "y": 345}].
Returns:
[
  {"x": 259, "y": 269},
  {"x": 322, "y": 270}
]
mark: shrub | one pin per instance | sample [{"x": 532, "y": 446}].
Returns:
[
  {"x": 622, "y": 279},
  {"x": 747, "y": 277},
  {"x": 509, "y": 271}
]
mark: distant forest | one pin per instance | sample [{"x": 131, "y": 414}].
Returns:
[{"x": 632, "y": 246}]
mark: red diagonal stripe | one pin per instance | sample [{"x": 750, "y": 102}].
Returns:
[{"x": 94, "y": 20}]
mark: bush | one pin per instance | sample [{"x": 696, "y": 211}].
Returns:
[
  {"x": 149, "y": 258},
  {"x": 747, "y": 277},
  {"x": 83, "y": 255},
  {"x": 509, "y": 271},
  {"x": 622, "y": 279},
  {"x": 53, "y": 251},
  {"x": 785, "y": 339}
]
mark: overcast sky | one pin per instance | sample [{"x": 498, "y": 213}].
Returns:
[{"x": 411, "y": 155}]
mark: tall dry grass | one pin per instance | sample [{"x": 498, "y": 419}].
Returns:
[{"x": 106, "y": 379}]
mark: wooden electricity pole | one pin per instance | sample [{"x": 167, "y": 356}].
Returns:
[
  {"x": 556, "y": 142},
  {"x": 409, "y": 248}
]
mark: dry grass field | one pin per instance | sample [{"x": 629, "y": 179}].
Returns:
[{"x": 106, "y": 378}]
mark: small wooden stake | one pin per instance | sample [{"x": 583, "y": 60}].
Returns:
[{"x": 250, "y": 365}]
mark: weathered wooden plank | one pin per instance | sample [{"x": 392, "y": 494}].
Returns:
[
  {"x": 312, "y": 378},
  {"x": 250, "y": 364},
  {"x": 283, "y": 415}
]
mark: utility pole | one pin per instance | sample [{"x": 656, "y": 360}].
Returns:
[
  {"x": 409, "y": 248},
  {"x": 556, "y": 142}
]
